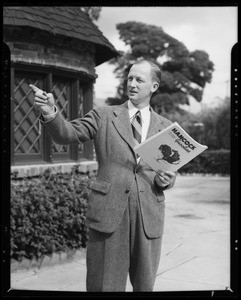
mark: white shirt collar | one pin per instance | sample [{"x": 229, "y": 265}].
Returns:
[{"x": 145, "y": 112}]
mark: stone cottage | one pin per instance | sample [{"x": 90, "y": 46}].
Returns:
[{"x": 56, "y": 49}]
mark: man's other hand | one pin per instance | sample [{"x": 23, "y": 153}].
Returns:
[{"x": 163, "y": 179}]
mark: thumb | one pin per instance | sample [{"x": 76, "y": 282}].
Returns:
[{"x": 50, "y": 98}]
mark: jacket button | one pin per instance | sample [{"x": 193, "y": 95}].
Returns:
[{"x": 127, "y": 191}]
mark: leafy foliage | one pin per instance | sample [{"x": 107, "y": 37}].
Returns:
[
  {"x": 209, "y": 162},
  {"x": 92, "y": 11},
  {"x": 48, "y": 214},
  {"x": 215, "y": 130},
  {"x": 184, "y": 73},
  {"x": 211, "y": 126}
]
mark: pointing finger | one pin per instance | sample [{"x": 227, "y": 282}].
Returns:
[{"x": 34, "y": 88}]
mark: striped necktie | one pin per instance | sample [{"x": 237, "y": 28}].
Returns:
[{"x": 136, "y": 127}]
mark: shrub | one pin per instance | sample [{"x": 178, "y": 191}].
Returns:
[
  {"x": 48, "y": 214},
  {"x": 209, "y": 162}
]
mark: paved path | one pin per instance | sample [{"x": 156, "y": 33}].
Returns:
[{"x": 195, "y": 251}]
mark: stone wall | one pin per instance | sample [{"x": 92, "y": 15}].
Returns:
[{"x": 85, "y": 167}]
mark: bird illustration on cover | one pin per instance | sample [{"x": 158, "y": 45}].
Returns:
[{"x": 168, "y": 154}]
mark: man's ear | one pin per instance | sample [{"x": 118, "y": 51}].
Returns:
[{"x": 155, "y": 87}]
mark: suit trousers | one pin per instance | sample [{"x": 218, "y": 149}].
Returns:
[{"x": 112, "y": 256}]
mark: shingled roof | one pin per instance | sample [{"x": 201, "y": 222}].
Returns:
[{"x": 66, "y": 21}]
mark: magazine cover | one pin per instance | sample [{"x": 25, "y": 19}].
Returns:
[{"x": 169, "y": 149}]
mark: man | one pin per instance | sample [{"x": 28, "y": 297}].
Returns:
[{"x": 126, "y": 206}]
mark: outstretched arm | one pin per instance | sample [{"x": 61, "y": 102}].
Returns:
[{"x": 62, "y": 131}]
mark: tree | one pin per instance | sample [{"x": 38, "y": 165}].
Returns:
[
  {"x": 184, "y": 73},
  {"x": 92, "y": 11},
  {"x": 211, "y": 126}
]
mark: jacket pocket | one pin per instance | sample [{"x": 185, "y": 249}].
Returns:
[
  {"x": 97, "y": 199},
  {"x": 100, "y": 186}
]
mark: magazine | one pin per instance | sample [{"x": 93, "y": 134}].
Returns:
[{"x": 169, "y": 149}]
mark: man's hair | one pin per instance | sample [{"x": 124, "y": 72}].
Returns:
[{"x": 155, "y": 70}]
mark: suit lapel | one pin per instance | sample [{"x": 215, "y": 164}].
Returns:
[
  {"x": 155, "y": 125},
  {"x": 122, "y": 124}
]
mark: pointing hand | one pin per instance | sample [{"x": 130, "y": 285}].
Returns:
[{"x": 44, "y": 101}]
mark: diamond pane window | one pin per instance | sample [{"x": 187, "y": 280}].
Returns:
[
  {"x": 30, "y": 142},
  {"x": 62, "y": 95},
  {"x": 27, "y": 135}
]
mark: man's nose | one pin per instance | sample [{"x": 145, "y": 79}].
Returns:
[{"x": 132, "y": 83}]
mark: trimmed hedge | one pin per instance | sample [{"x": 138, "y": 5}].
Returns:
[
  {"x": 48, "y": 214},
  {"x": 209, "y": 162}
]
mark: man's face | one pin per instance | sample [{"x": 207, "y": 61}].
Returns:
[{"x": 140, "y": 84}]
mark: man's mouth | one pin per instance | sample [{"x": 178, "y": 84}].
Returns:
[{"x": 132, "y": 92}]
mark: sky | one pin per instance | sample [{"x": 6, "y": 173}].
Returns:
[{"x": 211, "y": 29}]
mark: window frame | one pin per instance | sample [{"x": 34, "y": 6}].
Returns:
[{"x": 76, "y": 79}]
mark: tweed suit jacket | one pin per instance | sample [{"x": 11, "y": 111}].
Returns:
[{"x": 118, "y": 170}]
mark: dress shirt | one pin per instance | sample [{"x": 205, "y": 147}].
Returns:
[{"x": 145, "y": 118}]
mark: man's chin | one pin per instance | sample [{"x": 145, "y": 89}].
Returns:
[
  {"x": 137, "y": 101},
  {"x": 133, "y": 98}
]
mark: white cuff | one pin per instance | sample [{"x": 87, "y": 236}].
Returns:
[{"x": 51, "y": 116}]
